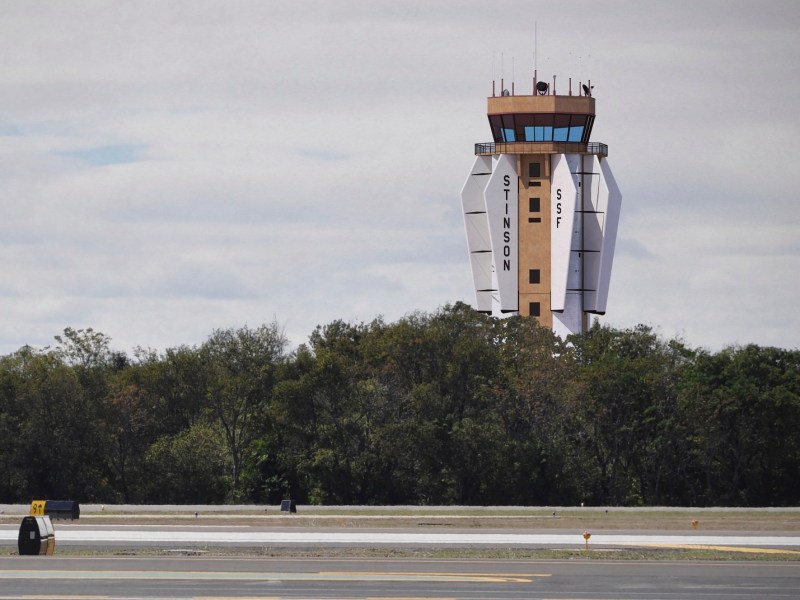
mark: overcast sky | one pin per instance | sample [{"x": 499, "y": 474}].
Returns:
[{"x": 172, "y": 167}]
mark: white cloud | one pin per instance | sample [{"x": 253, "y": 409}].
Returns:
[{"x": 169, "y": 168}]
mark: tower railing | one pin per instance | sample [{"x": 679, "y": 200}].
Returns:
[{"x": 491, "y": 148}]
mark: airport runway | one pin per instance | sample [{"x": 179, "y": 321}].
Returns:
[{"x": 322, "y": 579}]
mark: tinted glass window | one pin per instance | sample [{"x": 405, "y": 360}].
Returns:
[
  {"x": 575, "y": 134},
  {"x": 561, "y": 129},
  {"x": 507, "y": 133},
  {"x": 587, "y": 131},
  {"x": 524, "y": 127},
  {"x": 530, "y": 127},
  {"x": 496, "y": 125},
  {"x": 576, "y": 129},
  {"x": 543, "y": 131},
  {"x": 529, "y": 134}
]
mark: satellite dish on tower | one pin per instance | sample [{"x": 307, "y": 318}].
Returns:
[
  {"x": 506, "y": 93},
  {"x": 586, "y": 90},
  {"x": 542, "y": 88}
]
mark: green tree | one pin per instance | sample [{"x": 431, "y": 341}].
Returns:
[
  {"x": 434, "y": 371},
  {"x": 130, "y": 426},
  {"x": 192, "y": 467},
  {"x": 624, "y": 395},
  {"x": 84, "y": 348},
  {"x": 241, "y": 366},
  {"x": 744, "y": 407},
  {"x": 326, "y": 416},
  {"x": 542, "y": 463},
  {"x": 58, "y": 444}
]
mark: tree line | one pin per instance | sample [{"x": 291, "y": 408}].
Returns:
[{"x": 449, "y": 407}]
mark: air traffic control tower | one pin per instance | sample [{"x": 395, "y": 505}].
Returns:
[{"x": 541, "y": 209}]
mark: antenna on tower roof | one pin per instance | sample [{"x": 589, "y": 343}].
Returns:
[
  {"x": 512, "y": 75},
  {"x": 494, "y": 74}
]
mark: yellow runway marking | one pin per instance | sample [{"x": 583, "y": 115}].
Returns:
[
  {"x": 67, "y": 597},
  {"x": 744, "y": 549},
  {"x": 485, "y": 577},
  {"x": 268, "y": 576}
]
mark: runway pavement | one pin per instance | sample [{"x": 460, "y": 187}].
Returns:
[{"x": 127, "y": 578}]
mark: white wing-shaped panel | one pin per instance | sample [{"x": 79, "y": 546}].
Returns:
[
  {"x": 563, "y": 193},
  {"x": 476, "y": 225},
  {"x": 612, "y": 199},
  {"x": 594, "y": 207},
  {"x": 502, "y": 197},
  {"x": 570, "y": 320}
]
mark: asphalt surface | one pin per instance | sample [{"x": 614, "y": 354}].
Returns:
[{"x": 318, "y": 579}]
